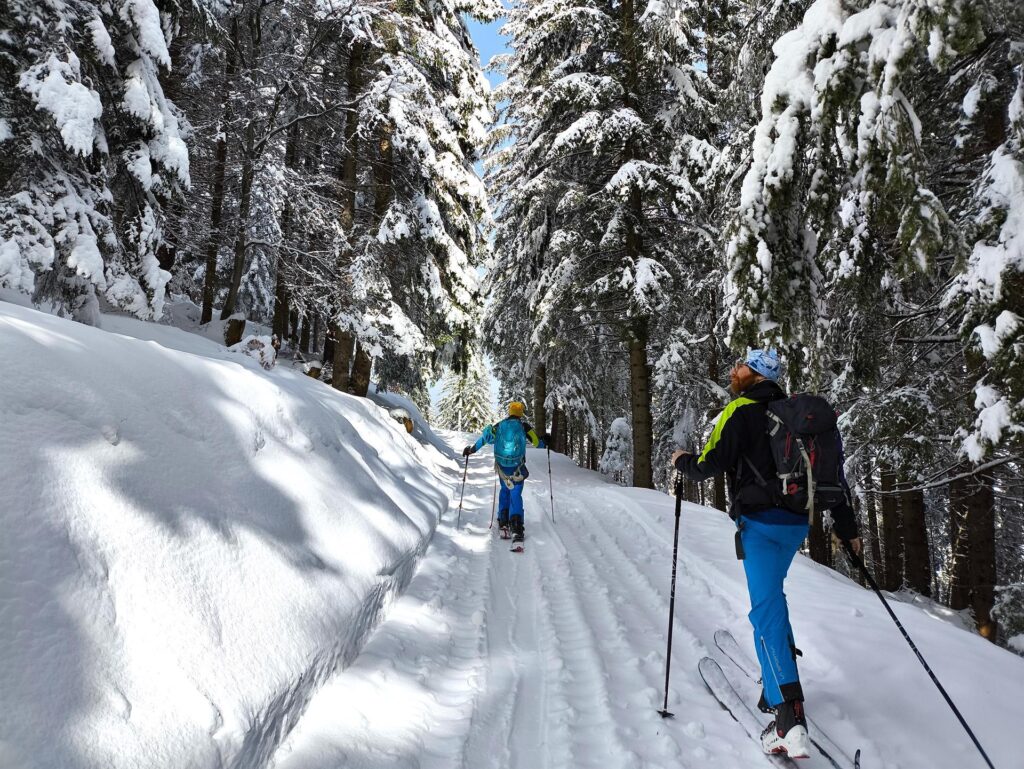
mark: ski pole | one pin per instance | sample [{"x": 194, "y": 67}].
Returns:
[
  {"x": 462, "y": 493},
  {"x": 874, "y": 586},
  {"x": 494, "y": 496},
  {"x": 664, "y": 713},
  {"x": 551, "y": 487}
]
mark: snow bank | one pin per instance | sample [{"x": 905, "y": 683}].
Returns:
[
  {"x": 399, "y": 406},
  {"x": 191, "y": 545}
]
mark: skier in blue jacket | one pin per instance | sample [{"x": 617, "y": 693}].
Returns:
[{"x": 509, "y": 437}]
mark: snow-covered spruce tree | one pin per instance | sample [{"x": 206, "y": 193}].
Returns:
[
  {"x": 465, "y": 402},
  {"x": 337, "y": 179},
  {"x": 688, "y": 379},
  {"x": 852, "y": 220},
  {"x": 1009, "y": 610},
  {"x": 92, "y": 151},
  {"x": 594, "y": 174},
  {"x": 272, "y": 52},
  {"x": 737, "y": 37},
  {"x": 990, "y": 289},
  {"x": 912, "y": 399},
  {"x": 404, "y": 275},
  {"x": 836, "y": 185},
  {"x": 618, "y": 450}
]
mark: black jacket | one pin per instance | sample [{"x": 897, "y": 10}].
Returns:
[{"x": 741, "y": 434}]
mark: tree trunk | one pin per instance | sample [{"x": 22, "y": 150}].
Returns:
[
  {"x": 343, "y": 344},
  {"x": 348, "y": 177},
  {"x": 891, "y": 536},
  {"x": 540, "y": 392},
  {"x": 382, "y": 192},
  {"x": 693, "y": 492},
  {"x": 244, "y": 205},
  {"x": 304, "y": 337},
  {"x": 854, "y": 572},
  {"x": 329, "y": 346},
  {"x": 818, "y": 543},
  {"x": 873, "y": 545},
  {"x": 959, "y": 563},
  {"x": 280, "y": 323},
  {"x": 213, "y": 244},
  {"x": 719, "y": 500},
  {"x": 640, "y": 401},
  {"x": 220, "y": 163},
  {"x": 361, "y": 370},
  {"x": 382, "y": 176},
  {"x": 639, "y": 369},
  {"x": 981, "y": 549},
  {"x": 718, "y": 496},
  {"x": 915, "y": 537},
  {"x": 556, "y": 420},
  {"x": 350, "y": 137},
  {"x": 281, "y": 293}
]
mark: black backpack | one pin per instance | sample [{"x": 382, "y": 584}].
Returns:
[{"x": 808, "y": 454}]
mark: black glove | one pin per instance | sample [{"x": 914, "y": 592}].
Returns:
[
  {"x": 467, "y": 451},
  {"x": 546, "y": 437}
]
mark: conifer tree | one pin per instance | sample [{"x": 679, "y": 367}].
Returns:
[
  {"x": 604, "y": 139},
  {"x": 92, "y": 152},
  {"x": 465, "y": 402}
]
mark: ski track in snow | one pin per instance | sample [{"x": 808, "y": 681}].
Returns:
[
  {"x": 551, "y": 658},
  {"x": 555, "y": 658}
]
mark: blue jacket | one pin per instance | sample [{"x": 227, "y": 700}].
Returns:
[{"x": 509, "y": 437}]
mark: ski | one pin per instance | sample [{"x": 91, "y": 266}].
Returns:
[
  {"x": 723, "y": 691},
  {"x": 727, "y": 644},
  {"x": 517, "y": 549}
]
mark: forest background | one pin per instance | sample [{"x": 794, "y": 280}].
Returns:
[{"x": 664, "y": 184}]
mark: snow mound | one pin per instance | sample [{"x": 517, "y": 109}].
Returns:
[{"x": 191, "y": 544}]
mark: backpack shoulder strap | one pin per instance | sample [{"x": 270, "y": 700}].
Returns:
[{"x": 757, "y": 475}]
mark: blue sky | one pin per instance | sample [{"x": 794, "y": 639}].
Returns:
[{"x": 488, "y": 42}]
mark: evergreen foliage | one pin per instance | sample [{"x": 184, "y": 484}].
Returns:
[
  {"x": 671, "y": 182},
  {"x": 93, "y": 150},
  {"x": 845, "y": 184},
  {"x": 465, "y": 402}
]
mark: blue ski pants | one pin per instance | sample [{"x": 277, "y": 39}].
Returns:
[
  {"x": 510, "y": 501},
  {"x": 769, "y": 550}
]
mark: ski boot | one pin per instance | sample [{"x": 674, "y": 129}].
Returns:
[
  {"x": 787, "y": 734},
  {"x": 518, "y": 535},
  {"x": 503, "y": 530}
]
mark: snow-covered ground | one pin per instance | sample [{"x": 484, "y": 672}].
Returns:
[
  {"x": 192, "y": 547},
  {"x": 555, "y": 658}
]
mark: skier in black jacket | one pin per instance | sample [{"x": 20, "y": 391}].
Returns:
[{"x": 770, "y": 535}]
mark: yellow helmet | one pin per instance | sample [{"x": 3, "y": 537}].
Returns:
[{"x": 515, "y": 409}]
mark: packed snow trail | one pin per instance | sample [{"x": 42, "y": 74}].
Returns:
[{"x": 555, "y": 658}]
